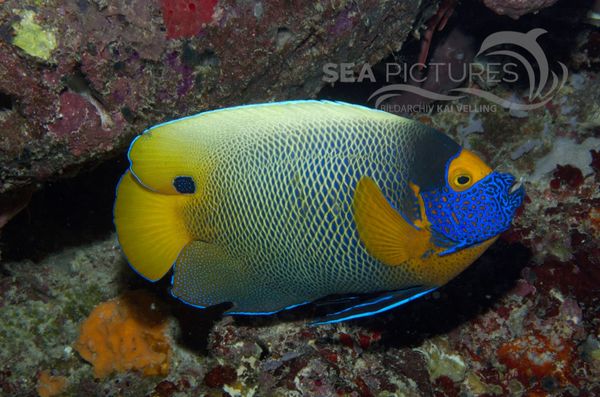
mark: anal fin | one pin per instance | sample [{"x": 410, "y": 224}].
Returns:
[
  {"x": 381, "y": 303},
  {"x": 205, "y": 275}
]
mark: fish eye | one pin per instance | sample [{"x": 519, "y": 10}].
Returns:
[{"x": 462, "y": 180}]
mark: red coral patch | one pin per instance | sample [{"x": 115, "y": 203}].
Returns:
[
  {"x": 534, "y": 358},
  {"x": 184, "y": 18},
  {"x": 566, "y": 175},
  {"x": 219, "y": 376}
]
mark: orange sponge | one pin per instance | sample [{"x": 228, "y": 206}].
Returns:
[
  {"x": 126, "y": 333},
  {"x": 50, "y": 385}
]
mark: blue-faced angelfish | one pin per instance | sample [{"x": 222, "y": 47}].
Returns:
[{"x": 271, "y": 206}]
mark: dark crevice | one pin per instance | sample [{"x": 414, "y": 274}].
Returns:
[
  {"x": 79, "y": 83},
  {"x": 6, "y": 102},
  {"x": 192, "y": 58},
  {"x": 65, "y": 213}
]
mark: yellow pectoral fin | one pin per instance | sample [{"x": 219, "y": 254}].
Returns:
[
  {"x": 423, "y": 223},
  {"x": 384, "y": 232}
]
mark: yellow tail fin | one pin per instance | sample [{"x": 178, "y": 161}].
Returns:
[{"x": 150, "y": 226}]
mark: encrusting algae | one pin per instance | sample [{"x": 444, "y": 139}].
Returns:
[
  {"x": 124, "y": 334},
  {"x": 33, "y": 38}
]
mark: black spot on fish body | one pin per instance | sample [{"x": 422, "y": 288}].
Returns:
[{"x": 184, "y": 184}]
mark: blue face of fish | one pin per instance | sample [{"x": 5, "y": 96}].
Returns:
[{"x": 475, "y": 204}]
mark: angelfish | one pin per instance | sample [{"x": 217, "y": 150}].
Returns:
[{"x": 274, "y": 205}]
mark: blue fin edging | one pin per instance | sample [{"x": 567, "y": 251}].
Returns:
[{"x": 361, "y": 314}]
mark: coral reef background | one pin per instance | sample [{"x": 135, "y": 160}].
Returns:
[{"x": 79, "y": 79}]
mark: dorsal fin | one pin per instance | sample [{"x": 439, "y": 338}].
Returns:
[{"x": 184, "y": 147}]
